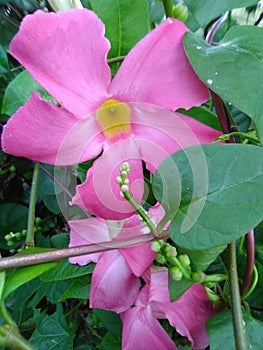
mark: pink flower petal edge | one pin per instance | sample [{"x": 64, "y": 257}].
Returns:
[{"x": 66, "y": 54}]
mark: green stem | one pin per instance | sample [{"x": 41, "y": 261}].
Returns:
[
  {"x": 30, "y": 240},
  {"x": 185, "y": 271},
  {"x": 168, "y": 8},
  {"x": 12, "y": 339},
  {"x": 115, "y": 59},
  {"x": 238, "y": 323},
  {"x": 6, "y": 315},
  {"x": 227, "y": 137},
  {"x": 141, "y": 212},
  {"x": 253, "y": 284}
]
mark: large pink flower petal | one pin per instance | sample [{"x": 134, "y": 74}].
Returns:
[
  {"x": 66, "y": 53},
  {"x": 87, "y": 231},
  {"x": 159, "y": 296},
  {"x": 43, "y": 132},
  {"x": 157, "y": 71},
  {"x": 159, "y": 132},
  {"x": 100, "y": 194},
  {"x": 140, "y": 257},
  {"x": 113, "y": 286},
  {"x": 141, "y": 331},
  {"x": 189, "y": 315}
]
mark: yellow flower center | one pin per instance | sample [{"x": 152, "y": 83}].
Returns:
[{"x": 114, "y": 118}]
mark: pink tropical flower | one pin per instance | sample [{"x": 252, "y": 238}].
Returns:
[
  {"x": 188, "y": 314},
  {"x": 115, "y": 284},
  {"x": 66, "y": 54}
]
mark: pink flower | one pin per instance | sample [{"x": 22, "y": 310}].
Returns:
[
  {"x": 66, "y": 53},
  {"x": 115, "y": 284},
  {"x": 188, "y": 315}
]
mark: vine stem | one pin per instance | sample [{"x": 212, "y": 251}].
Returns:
[
  {"x": 141, "y": 212},
  {"x": 12, "y": 339},
  {"x": 59, "y": 254},
  {"x": 250, "y": 247},
  {"x": 168, "y": 8},
  {"x": 30, "y": 239},
  {"x": 238, "y": 323}
]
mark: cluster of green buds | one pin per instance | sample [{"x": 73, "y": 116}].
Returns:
[
  {"x": 179, "y": 265},
  {"x": 12, "y": 238},
  {"x": 19, "y": 237},
  {"x": 122, "y": 179}
]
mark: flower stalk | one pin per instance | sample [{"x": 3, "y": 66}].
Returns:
[{"x": 30, "y": 239}]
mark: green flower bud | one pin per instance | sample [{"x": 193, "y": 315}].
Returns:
[
  {"x": 8, "y": 237},
  {"x": 176, "y": 273},
  {"x": 184, "y": 260},
  {"x": 180, "y": 12},
  {"x": 170, "y": 251},
  {"x": 198, "y": 276},
  {"x": 160, "y": 258},
  {"x": 156, "y": 246}
]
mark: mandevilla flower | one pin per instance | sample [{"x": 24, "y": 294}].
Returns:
[
  {"x": 188, "y": 314},
  {"x": 117, "y": 119},
  {"x": 115, "y": 284}
]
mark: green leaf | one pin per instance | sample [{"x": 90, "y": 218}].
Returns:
[
  {"x": 65, "y": 270},
  {"x": 2, "y": 283},
  {"x": 110, "y": 320},
  {"x": 24, "y": 275},
  {"x": 79, "y": 289},
  {"x": 204, "y": 12},
  {"x": 110, "y": 342},
  {"x": 4, "y": 66},
  {"x": 126, "y": 22},
  {"x": 233, "y": 69},
  {"x": 13, "y": 217},
  {"x": 214, "y": 193},
  {"x": 19, "y": 91},
  {"x": 203, "y": 115},
  {"x": 52, "y": 291},
  {"x": 177, "y": 288},
  {"x": 52, "y": 332},
  {"x": 220, "y": 329}
]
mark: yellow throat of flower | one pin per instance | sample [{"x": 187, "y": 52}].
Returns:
[{"x": 114, "y": 118}]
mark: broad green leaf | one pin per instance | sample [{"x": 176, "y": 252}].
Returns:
[
  {"x": 65, "y": 270},
  {"x": 156, "y": 10},
  {"x": 19, "y": 91},
  {"x": 52, "y": 291},
  {"x": 13, "y": 217},
  {"x": 203, "y": 115},
  {"x": 204, "y": 11},
  {"x": 110, "y": 320},
  {"x": 110, "y": 342},
  {"x": 24, "y": 275},
  {"x": 220, "y": 329},
  {"x": 79, "y": 289},
  {"x": 217, "y": 191},
  {"x": 177, "y": 288},
  {"x": 126, "y": 22},
  {"x": 52, "y": 332},
  {"x": 233, "y": 69}
]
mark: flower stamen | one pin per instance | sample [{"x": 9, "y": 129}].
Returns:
[{"x": 114, "y": 118}]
